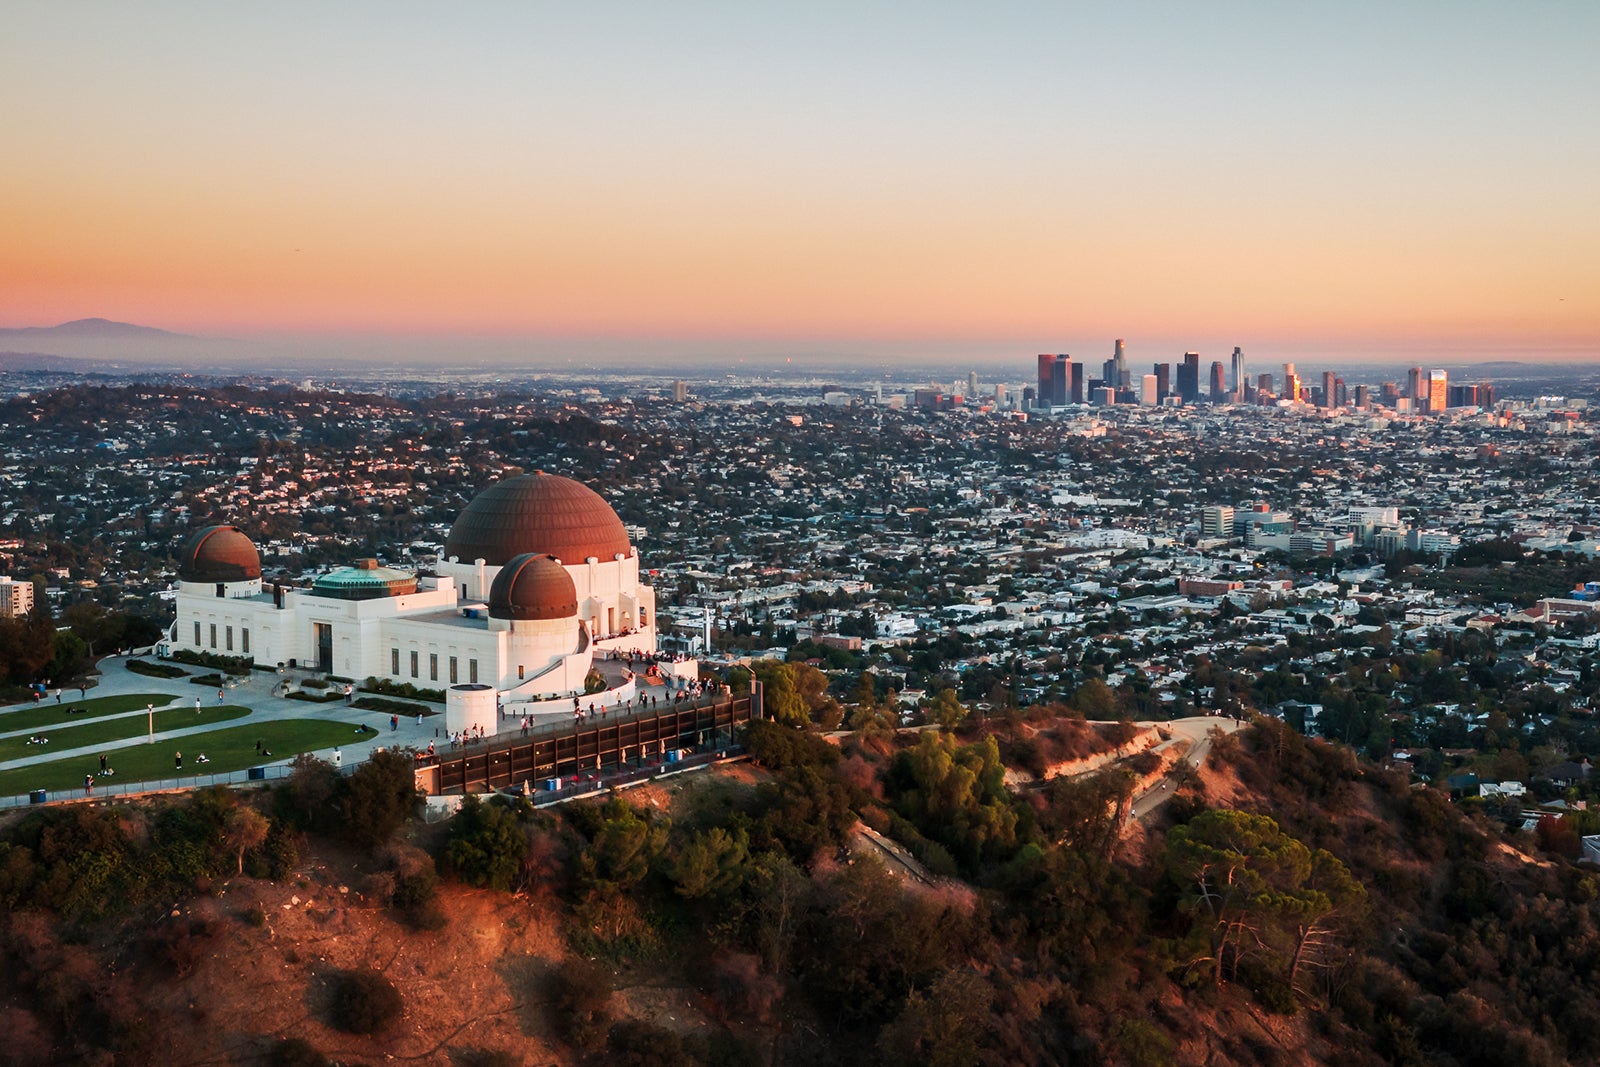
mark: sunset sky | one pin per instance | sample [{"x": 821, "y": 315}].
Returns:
[{"x": 1361, "y": 178}]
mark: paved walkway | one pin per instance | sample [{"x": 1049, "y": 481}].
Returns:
[
  {"x": 1197, "y": 732},
  {"x": 253, "y": 692}
]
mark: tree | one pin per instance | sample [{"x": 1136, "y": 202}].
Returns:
[
  {"x": 947, "y": 711},
  {"x": 956, "y": 795},
  {"x": 1087, "y": 813},
  {"x": 308, "y": 796},
  {"x": 1255, "y": 884},
  {"x": 1095, "y": 700},
  {"x": 873, "y": 722},
  {"x": 622, "y": 849},
  {"x": 866, "y": 692},
  {"x": 69, "y": 658},
  {"x": 780, "y": 699},
  {"x": 807, "y": 808},
  {"x": 943, "y": 1027},
  {"x": 486, "y": 844},
  {"x": 244, "y": 828},
  {"x": 711, "y": 863},
  {"x": 379, "y": 797}
]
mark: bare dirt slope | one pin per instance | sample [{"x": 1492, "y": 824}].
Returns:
[{"x": 476, "y": 985}]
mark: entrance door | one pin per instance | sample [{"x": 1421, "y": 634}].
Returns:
[{"x": 324, "y": 647}]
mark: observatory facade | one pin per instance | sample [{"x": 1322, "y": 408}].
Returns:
[{"x": 536, "y": 578}]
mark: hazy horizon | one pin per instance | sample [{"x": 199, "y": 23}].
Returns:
[
  {"x": 834, "y": 182},
  {"x": 1007, "y": 361}
]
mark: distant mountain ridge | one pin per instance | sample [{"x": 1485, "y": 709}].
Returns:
[
  {"x": 100, "y": 329},
  {"x": 105, "y": 339}
]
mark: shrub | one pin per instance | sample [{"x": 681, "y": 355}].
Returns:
[
  {"x": 486, "y": 844},
  {"x": 277, "y": 856},
  {"x": 379, "y": 797},
  {"x": 583, "y": 1002},
  {"x": 308, "y": 799},
  {"x": 392, "y": 707},
  {"x": 155, "y": 670},
  {"x": 364, "y": 1002},
  {"x": 296, "y": 1052},
  {"x": 1142, "y": 1045},
  {"x": 315, "y": 698},
  {"x": 402, "y": 689},
  {"x": 416, "y": 881},
  {"x": 230, "y": 664},
  {"x": 486, "y": 1057}
]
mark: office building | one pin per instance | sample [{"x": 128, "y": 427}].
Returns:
[
  {"x": 1150, "y": 394},
  {"x": 1261, "y": 522},
  {"x": 16, "y": 598},
  {"x": 1189, "y": 378},
  {"x": 1163, "y": 372},
  {"x": 1241, "y": 381},
  {"x": 1218, "y": 392},
  {"x": 1216, "y": 521},
  {"x": 1438, "y": 391}
]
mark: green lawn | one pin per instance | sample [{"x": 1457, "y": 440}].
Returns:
[
  {"x": 231, "y": 749},
  {"x": 50, "y": 714},
  {"x": 109, "y": 731}
]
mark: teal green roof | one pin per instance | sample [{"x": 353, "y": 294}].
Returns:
[{"x": 365, "y": 581}]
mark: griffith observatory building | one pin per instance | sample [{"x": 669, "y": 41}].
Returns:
[{"x": 536, "y": 581}]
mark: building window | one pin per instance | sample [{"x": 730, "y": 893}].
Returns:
[
  {"x": 222, "y": 590},
  {"x": 196, "y": 635},
  {"x": 229, "y": 635},
  {"x": 244, "y": 639},
  {"x": 452, "y": 670},
  {"x": 472, "y": 671},
  {"x": 213, "y": 635},
  {"x": 394, "y": 662},
  {"x": 433, "y": 666},
  {"x": 643, "y": 618},
  {"x": 413, "y": 663},
  {"x": 520, "y": 669}
]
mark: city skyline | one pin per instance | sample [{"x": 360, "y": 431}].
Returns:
[{"x": 1365, "y": 184}]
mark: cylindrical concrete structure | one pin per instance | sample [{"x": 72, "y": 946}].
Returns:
[{"x": 470, "y": 706}]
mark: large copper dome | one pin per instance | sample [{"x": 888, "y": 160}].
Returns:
[
  {"x": 218, "y": 554},
  {"x": 537, "y": 513},
  {"x": 531, "y": 586}
]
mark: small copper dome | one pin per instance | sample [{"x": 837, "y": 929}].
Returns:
[
  {"x": 537, "y": 513},
  {"x": 218, "y": 554},
  {"x": 532, "y": 586}
]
